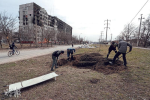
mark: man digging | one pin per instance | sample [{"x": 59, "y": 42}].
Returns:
[
  {"x": 55, "y": 56},
  {"x": 70, "y": 51},
  {"x": 112, "y": 47},
  {"x": 122, "y": 47}
]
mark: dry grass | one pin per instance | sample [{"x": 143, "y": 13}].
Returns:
[{"x": 74, "y": 83}]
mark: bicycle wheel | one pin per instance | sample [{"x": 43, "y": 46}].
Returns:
[
  {"x": 9, "y": 53},
  {"x": 17, "y": 52}
]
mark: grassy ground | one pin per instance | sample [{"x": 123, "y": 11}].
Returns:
[{"x": 74, "y": 83}]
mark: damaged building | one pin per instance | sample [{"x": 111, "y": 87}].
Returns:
[{"x": 34, "y": 19}]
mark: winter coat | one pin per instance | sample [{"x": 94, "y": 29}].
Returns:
[
  {"x": 122, "y": 47},
  {"x": 112, "y": 47},
  {"x": 56, "y": 54},
  {"x": 70, "y": 50},
  {"x": 12, "y": 46}
]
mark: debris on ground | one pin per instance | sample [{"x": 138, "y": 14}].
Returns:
[
  {"x": 94, "y": 81},
  {"x": 87, "y": 46},
  {"x": 94, "y": 61}
]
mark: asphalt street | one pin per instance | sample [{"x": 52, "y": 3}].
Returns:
[{"x": 26, "y": 54}]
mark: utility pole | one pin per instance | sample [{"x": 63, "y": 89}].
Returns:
[
  {"x": 106, "y": 28},
  {"x": 111, "y": 36},
  {"x": 100, "y": 39},
  {"x": 139, "y": 30},
  {"x": 101, "y": 35}
]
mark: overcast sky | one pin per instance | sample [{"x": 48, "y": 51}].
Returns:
[{"x": 88, "y": 16}]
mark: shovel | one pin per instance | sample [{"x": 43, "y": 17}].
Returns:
[
  {"x": 121, "y": 56},
  {"x": 117, "y": 59}
]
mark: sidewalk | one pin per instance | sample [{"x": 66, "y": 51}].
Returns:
[
  {"x": 142, "y": 48},
  {"x": 26, "y": 54}
]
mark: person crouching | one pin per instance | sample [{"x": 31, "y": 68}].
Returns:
[
  {"x": 55, "y": 56},
  {"x": 70, "y": 51}
]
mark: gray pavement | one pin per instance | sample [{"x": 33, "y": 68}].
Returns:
[
  {"x": 26, "y": 54},
  {"x": 142, "y": 48}
]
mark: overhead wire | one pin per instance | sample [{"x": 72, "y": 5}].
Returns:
[{"x": 139, "y": 11}]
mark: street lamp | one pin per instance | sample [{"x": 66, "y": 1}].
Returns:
[
  {"x": 84, "y": 38},
  {"x": 79, "y": 38}
]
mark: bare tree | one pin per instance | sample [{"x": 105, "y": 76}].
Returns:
[
  {"x": 7, "y": 25},
  {"x": 127, "y": 32},
  {"x": 42, "y": 36},
  {"x": 145, "y": 35},
  {"x": 1, "y": 39},
  {"x": 49, "y": 34},
  {"x": 75, "y": 39},
  {"x": 60, "y": 36}
]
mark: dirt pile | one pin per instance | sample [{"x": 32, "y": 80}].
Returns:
[
  {"x": 94, "y": 61},
  {"x": 62, "y": 62}
]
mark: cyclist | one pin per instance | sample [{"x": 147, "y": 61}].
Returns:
[{"x": 12, "y": 47}]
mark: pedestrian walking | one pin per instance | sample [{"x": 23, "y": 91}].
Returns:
[
  {"x": 122, "y": 47},
  {"x": 55, "y": 56},
  {"x": 112, "y": 47}
]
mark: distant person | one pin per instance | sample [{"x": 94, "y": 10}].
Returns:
[
  {"x": 72, "y": 44},
  {"x": 55, "y": 56},
  {"x": 12, "y": 47},
  {"x": 122, "y": 47},
  {"x": 112, "y": 47},
  {"x": 70, "y": 52}
]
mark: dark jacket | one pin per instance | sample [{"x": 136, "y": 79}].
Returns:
[
  {"x": 70, "y": 50},
  {"x": 12, "y": 46},
  {"x": 56, "y": 54},
  {"x": 112, "y": 47},
  {"x": 122, "y": 46}
]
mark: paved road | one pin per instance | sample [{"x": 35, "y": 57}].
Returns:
[
  {"x": 142, "y": 48},
  {"x": 26, "y": 54}
]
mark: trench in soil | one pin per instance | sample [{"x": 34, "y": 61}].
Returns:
[{"x": 94, "y": 61}]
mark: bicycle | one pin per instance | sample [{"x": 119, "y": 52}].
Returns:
[{"x": 10, "y": 53}]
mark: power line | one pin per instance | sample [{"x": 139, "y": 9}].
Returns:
[{"x": 139, "y": 11}]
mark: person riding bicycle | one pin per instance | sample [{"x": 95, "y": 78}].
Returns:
[{"x": 12, "y": 47}]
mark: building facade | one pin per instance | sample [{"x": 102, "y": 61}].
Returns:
[{"x": 34, "y": 18}]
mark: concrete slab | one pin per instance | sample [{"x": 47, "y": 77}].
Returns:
[{"x": 30, "y": 82}]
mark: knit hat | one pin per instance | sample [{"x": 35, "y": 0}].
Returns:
[
  {"x": 62, "y": 51},
  {"x": 113, "y": 43},
  {"x": 120, "y": 40}
]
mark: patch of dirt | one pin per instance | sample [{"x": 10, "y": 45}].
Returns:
[
  {"x": 94, "y": 61},
  {"x": 62, "y": 62},
  {"x": 94, "y": 81}
]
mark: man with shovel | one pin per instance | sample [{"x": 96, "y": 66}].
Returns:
[
  {"x": 70, "y": 51},
  {"x": 112, "y": 47},
  {"x": 122, "y": 47},
  {"x": 55, "y": 56}
]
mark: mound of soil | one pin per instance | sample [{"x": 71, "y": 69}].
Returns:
[
  {"x": 105, "y": 67},
  {"x": 62, "y": 62},
  {"x": 94, "y": 61}
]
